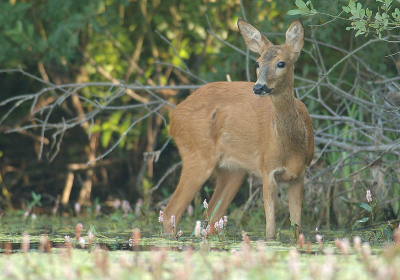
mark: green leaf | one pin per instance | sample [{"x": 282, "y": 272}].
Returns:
[
  {"x": 34, "y": 195},
  {"x": 36, "y": 200},
  {"x": 309, "y": 3},
  {"x": 294, "y": 12},
  {"x": 362, "y": 13},
  {"x": 215, "y": 210},
  {"x": 105, "y": 138},
  {"x": 93, "y": 229},
  {"x": 365, "y": 206},
  {"x": 115, "y": 117},
  {"x": 346, "y": 9},
  {"x": 388, "y": 3},
  {"x": 360, "y": 221},
  {"x": 301, "y": 4},
  {"x": 96, "y": 128},
  {"x": 387, "y": 231},
  {"x": 117, "y": 217},
  {"x": 396, "y": 14},
  {"x": 302, "y": 8},
  {"x": 126, "y": 123},
  {"x": 19, "y": 27},
  {"x": 368, "y": 12}
]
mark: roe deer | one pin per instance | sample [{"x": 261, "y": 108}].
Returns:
[{"x": 226, "y": 129}]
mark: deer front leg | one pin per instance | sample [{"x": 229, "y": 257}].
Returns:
[
  {"x": 269, "y": 197},
  {"x": 296, "y": 189}
]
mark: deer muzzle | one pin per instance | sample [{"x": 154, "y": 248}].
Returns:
[{"x": 261, "y": 90}]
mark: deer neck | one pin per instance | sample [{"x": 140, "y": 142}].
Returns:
[
  {"x": 287, "y": 123},
  {"x": 284, "y": 105}
]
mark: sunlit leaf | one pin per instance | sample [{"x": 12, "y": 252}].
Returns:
[{"x": 105, "y": 138}]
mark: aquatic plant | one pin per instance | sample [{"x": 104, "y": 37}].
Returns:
[
  {"x": 161, "y": 220},
  {"x": 376, "y": 233}
]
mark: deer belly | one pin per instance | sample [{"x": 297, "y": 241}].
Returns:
[
  {"x": 238, "y": 148},
  {"x": 239, "y": 160}
]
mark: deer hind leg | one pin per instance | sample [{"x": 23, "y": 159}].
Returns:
[
  {"x": 296, "y": 189},
  {"x": 226, "y": 186},
  {"x": 194, "y": 174}
]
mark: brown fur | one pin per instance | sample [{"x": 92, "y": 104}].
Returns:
[{"x": 225, "y": 129}]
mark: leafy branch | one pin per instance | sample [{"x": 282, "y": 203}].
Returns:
[{"x": 363, "y": 21}]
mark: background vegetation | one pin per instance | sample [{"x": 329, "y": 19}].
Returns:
[{"x": 94, "y": 81}]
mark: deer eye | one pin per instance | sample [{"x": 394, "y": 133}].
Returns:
[
  {"x": 281, "y": 64},
  {"x": 257, "y": 65}
]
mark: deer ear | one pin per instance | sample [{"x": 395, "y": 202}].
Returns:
[
  {"x": 254, "y": 40},
  {"x": 295, "y": 36}
]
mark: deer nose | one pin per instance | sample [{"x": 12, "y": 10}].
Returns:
[
  {"x": 258, "y": 88},
  {"x": 261, "y": 89}
]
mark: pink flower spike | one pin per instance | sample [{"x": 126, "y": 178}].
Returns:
[
  {"x": 368, "y": 196},
  {"x": 173, "y": 221},
  {"x": 357, "y": 243},
  {"x": 208, "y": 230},
  {"x": 161, "y": 217},
  {"x": 221, "y": 224},
  {"x": 216, "y": 226},
  {"x": 197, "y": 229}
]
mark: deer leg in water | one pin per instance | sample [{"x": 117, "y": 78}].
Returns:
[
  {"x": 296, "y": 189},
  {"x": 226, "y": 186}
]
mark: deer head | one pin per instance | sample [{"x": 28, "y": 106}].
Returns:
[{"x": 275, "y": 67}]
